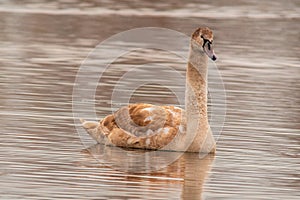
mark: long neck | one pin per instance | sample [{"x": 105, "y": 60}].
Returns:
[
  {"x": 198, "y": 130},
  {"x": 196, "y": 83}
]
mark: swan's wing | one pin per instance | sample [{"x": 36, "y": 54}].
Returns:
[{"x": 143, "y": 126}]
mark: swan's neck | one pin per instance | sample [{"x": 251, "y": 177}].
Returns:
[
  {"x": 196, "y": 101},
  {"x": 196, "y": 83}
]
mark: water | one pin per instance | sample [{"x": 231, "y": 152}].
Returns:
[{"x": 42, "y": 47}]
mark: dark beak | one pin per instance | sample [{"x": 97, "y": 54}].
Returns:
[{"x": 208, "y": 49}]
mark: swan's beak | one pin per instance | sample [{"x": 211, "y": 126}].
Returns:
[{"x": 208, "y": 49}]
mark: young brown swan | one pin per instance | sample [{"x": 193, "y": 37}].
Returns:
[{"x": 170, "y": 128}]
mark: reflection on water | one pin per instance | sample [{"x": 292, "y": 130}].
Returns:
[
  {"x": 188, "y": 170},
  {"x": 42, "y": 46}
]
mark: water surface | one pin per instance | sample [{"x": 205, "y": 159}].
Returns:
[{"x": 42, "y": 46}]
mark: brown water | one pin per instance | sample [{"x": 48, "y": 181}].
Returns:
[{"x": 42, "y": 47}]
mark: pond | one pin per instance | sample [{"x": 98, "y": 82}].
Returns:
[{"x": 43, "y": 45}]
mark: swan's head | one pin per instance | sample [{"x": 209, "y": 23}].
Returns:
[{"x": 203, "y": 38}]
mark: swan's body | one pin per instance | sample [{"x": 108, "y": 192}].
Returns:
[{"x": 153, "y": 127}]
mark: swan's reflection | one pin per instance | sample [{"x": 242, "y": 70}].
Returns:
[{"x": 188, "y": 168}]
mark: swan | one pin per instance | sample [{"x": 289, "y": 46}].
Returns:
[{"x": 169, "y": 128}]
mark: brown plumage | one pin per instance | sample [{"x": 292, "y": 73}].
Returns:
[
  {"x": 154, "y": 127},
  {"x": 141, "y": 126}
]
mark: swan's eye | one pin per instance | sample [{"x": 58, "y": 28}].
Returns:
[{"x": 209, "y": 43}]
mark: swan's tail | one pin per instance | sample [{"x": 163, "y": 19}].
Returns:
[
  {"x": 88, "y": 125},
  {"x": 92, "y": 128}
]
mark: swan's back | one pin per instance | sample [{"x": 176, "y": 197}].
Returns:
[{"x": 143, "y": 126}]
